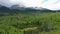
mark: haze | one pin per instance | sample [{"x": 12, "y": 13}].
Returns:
[{"x": 49, "y": 4}]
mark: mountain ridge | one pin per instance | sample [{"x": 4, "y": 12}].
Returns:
[{"x": 18, "y": 8}]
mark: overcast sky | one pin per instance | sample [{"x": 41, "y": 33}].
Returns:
[{"x": 50, "y": 4}]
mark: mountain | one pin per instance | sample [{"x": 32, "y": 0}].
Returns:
[
  {"x": 18, "y": 8},
  {"x": 29, "y": 9},
  {"x": 4, "y": 9}
]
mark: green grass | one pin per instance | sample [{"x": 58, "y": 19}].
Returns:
[{"x": 45, "y": 23}]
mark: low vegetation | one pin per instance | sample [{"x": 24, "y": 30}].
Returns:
[{"x": 30, "y": 23}]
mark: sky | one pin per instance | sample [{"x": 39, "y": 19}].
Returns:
[{"x": 49, "y": 4}]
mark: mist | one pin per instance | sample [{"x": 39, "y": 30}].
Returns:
[{"x": 49, "y": 4}]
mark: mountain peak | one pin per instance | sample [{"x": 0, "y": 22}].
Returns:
[{"x": 17, "y": 6}]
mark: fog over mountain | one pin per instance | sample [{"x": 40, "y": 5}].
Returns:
[{"x": 49, "y": 4}]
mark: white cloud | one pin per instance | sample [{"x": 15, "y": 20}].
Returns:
[{"x": 50, "y": 4}]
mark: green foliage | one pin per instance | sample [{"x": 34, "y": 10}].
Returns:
[{"x": 25, "y": 23}]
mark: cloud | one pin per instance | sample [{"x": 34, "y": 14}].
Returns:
[
  {"x": 9, "y": 3},
  {"x": 49, "y": 4},
  {"x": 53, "y": 5}
]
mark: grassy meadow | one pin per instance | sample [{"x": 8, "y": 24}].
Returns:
[{"x": 30, "y": 23}]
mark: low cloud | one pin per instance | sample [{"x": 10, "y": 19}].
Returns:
[{"x": 49, "y": 4}]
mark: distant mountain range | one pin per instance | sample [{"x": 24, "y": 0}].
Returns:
[
  {"x": 4, "y": 9},
  {"x": 18, "y": 8}
]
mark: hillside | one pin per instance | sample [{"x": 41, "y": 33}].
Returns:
[{"x": 4, "y": 9}]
